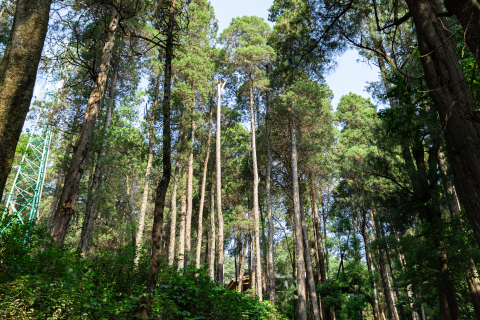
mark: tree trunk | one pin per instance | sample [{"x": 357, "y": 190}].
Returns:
[
  {"x": 317, "y": 232},
  {"x": 143, "y": 208},
  {"x": 157, "y": 228},
  {"x": 302, "y": 307},
  {"x": 219, "y": 184},
  {"x": 188, "y": 224},
  {"x": 392, "y": 310},
  {"x": 256, "y": 214},
  {"x": 202, "y": 192},
  {"x": 271, "y": 266},
  {"x": 211, "y": 258},
  {"x": 59, "y": 183},
  {"x": 18, "y": 73},
  {"x": 453, "y": 203},
  {"x": 183, "y": 212},
  {"x": 87, "y": 227},
  {"x": 241, "y": 267},
  {"x": 452, "y": 97},
  {"x": 66, "y": 205},
  {"x": 317, "y": 314},
  {"x": 173, "y": 219}
]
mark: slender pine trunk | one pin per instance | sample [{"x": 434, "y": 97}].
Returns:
[
  {"x": 211, "y": 245},
  {"x": 188, "y": 224},
  {"x": 173, "y": 219},
  {"x": 221, "y": 253},
  {"x": 271, "y": 265}
]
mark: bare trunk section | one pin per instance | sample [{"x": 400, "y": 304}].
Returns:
[
  {"x": 66, "y": 205},
  {"x": 211, "y": 245},
  {"x": 87, "y": 227},
  {"x": 256, "y": 214},
  {"x": 183, "y": 213},
  {"x": 18, "y": 72},
  {"x": 317, "y": 314},
  {"x": 271, "y": 265},
  {"x": 241, "y": 267},
  {"x": 317, "y": 232},
  {"x": 60, "y": 177},
  {"x": 454, "y": 204},
  {"x": 221, "y": 253},
  {"x": 302, "y": 306},
  {"x": 453, "y": 98},
  {"x": 392, "y": 310},
  {"x": 202, "y": 192},
  {"x": 173, "y": 220},
  {"x": 188, "y": 224},
  {"x": 157, "y": 228},
  {"x": 143, "y": 208}
]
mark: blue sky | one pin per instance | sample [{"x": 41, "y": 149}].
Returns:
[{"x": 349, "y": 76}]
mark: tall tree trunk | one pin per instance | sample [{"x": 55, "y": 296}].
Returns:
[
  {"x": 452, "y": 96},
  {"x": 173, "y": 220},
  {"x": 453, "y": 204},
  {"x": 87, "y": 227},
  {"x": 241, "y": 267},
  {"x": 66, "y": 205},
  {"x": 317, "y": 314},
  {"x": 143, "y": 208},
  {"x": 202, "y": 192},
  {"x": 157, "y": 228},
  {"x": 387, "y": 288},
  {"x": 211, "y": 258},
  {"x": 368, "y": 258},
  {"x": 183, "y": 213},
  {"x": 317, "y": 232},
  {"x": 58, "y": 185},
  {"x": 302, "y": 307},
  {"x": 221, "y": 253},
  {"x": 256, "y": 214},
  {"x": 18, "y": 73},
  {"x": 188, "y": 224},
  {"x": 271, "y": 265}
]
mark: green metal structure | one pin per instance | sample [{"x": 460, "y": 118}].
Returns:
[{"x": 24, "y": 197}]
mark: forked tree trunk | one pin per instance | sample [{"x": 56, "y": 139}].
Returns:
[
  {"x": 87, "y": 227},
  {"x": 202, "y": 192},
  {"x": 66, "y": 205},
  {"x": 221, "y": 257},
  {"x": 317, "y": 314},
  {"x": 60, "y": 177},
  {"x": 143, "y": 208},
  {"x": 453, "y": 98},
  {"x": 256, "y": 213},
  {"x": 18, "y": 72},
  {"x": 188, "y": 224},
  {"x": 211, "y": 258},
  {"x": 302, "y": 306},
  {"x": 271, "y": 265},
  {"x": 157, "y": 228}
]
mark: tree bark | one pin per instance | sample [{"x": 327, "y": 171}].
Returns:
[
  {"x": 61, "y": 173},
  {"x": 66, "y": 205},
  {"x": 202, "y": 192},
  {"x": 452, "y": 98},
  {"x": 302, "y": 307},
  {"x": 241, "y": 267},
  {"x": 317, "y": 232},
  {"x": 173, "y": 220},
  {"x": 256, "y": 214},
  {"x": 271, "y": 265},
  {"x": 183, "y": 213},
  {"x": 18, "y": 73},
  {"x": 143, "y": 208},
  {"x": 211, "y": 258},
  {"x": 317, "y": 314},
  {"x": 87, "y": 227},
  {"x": 221, "y": 253}
]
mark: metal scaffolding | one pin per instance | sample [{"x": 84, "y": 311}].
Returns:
[{"x": 24, "y": 197}]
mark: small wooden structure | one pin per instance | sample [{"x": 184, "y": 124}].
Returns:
[{"x": 233, "y": 285}]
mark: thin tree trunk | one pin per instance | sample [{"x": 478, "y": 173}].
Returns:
[
  {"x": 202, "y": 192},
  {"x": 392, "y": 310},
  {"x": 317, "y": 314},
  {"x": 221, "y": 257},
  {"x": 256, "y": 214},
  {"x": 241, "y": 267},
  {"x": 18, "y": 73},
  {"x": 453, "y": 204},
  {"x": 211, "y": 258},
  {"x": 302, "y": 307},
  {"x": 271, "y": 266},
  {"x": 188, "y": 224},
  {"x": 66, "y": 205},
  {"x": 87, "y": 227},
  {"x": 157, "y": 228},
  {"x": 183, "y": 212},
  {"x": 143, "y": 208},
  {"x": 173, "y": 220},
  {"x": 60, "y": 177},
  {"x": 453, "y": 98},
  {"x": 317, "y": 232}
]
